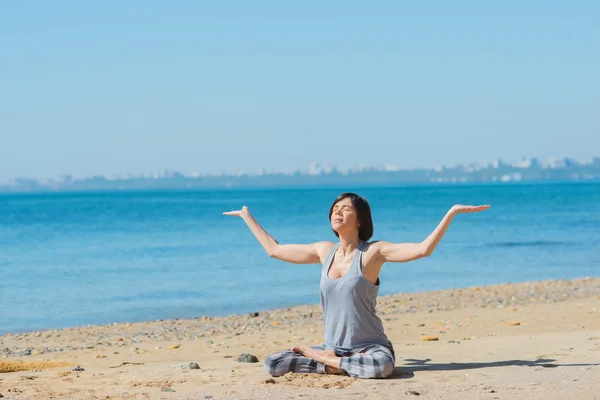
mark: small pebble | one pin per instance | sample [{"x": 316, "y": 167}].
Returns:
[
  {"x": 167, "y": 390},
  {"x": 247, "y": 357},
  {"x": 78, "y": 368},
  {"x": 413, "y": 392},
  {"x": 207, "y": 396},
  {"x": 191, "y": 365}
]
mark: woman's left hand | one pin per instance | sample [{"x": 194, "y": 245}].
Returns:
[{"x": 461, "y": 209}]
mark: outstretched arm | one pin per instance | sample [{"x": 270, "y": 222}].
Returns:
[
  {"x": 312, "y": 253},
  {"x": 402, "y": 252}
]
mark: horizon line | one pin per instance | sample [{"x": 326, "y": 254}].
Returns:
[{"x": 386, "y": 167}]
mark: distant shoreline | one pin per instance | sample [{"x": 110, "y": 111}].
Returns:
[
  {"x": 323, "y": 187},
  {"x": 526, "y": 170}
]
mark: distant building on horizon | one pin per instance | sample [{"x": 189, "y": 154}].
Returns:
[
  {"x": 561, "y": 162},
  {"x": 526, "y": 163}
]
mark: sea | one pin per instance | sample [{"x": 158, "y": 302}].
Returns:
[{"x": 73, "y": 259}]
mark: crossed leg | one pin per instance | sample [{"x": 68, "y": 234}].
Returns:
[
  {"x": 373, "y": 361},
  {"x": 281, "y": 363}
]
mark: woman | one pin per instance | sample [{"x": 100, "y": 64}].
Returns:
[{"x": 355, "y": 343}]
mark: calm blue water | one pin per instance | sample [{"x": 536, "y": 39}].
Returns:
[{"x": 76, "y": 259}]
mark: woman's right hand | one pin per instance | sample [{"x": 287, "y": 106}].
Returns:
[{"x": 239, "y": 213}]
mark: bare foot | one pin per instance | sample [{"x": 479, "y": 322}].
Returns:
[
  {"x": 332, "y": 370},
  {"x": 321, "y": 356},
  {"x": 330, "y": 353}
]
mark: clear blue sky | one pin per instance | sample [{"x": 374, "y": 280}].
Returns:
[{"x": 140, "y": 86}]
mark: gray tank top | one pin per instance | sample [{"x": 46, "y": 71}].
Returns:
[{"x": 349, "y": 306}]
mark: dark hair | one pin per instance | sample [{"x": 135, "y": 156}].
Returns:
[{"x": 363, "y": 213}]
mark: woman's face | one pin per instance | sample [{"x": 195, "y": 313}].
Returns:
[{"x": 343, "y": 217}]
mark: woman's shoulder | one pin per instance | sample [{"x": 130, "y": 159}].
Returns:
[
  {"x": 372, "y": 245},
  {"x": 326, "y": 243},
  {"x": 323, "y": 249}
]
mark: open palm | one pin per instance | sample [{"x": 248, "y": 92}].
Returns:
[
  {"x": 460, "y": 208},
  {"x": 238, "y": 213}
]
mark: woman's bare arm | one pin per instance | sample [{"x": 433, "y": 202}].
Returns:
[
  {"x": 313, "y": 253},
  {"x": 402, "y": 252}
]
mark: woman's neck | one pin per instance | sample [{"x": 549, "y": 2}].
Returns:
[{"x": 348, "y": 244}]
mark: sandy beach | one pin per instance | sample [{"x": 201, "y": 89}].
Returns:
[{"x": 535, "y": 340}]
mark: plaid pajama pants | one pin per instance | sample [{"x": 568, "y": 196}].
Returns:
[{"x": 377, "y": 362}]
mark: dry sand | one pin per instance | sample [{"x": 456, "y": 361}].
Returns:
[{"x": 537, "y": 340}]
